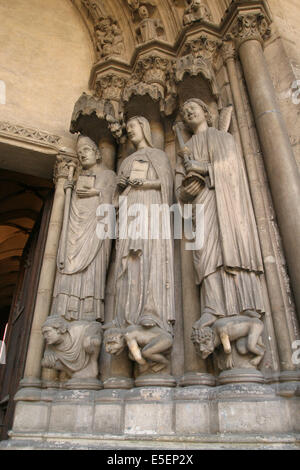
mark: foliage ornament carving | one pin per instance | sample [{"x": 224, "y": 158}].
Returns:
[
  {"x": 28, "y": 133},
  {"x": 151, "y": 77},
  {"x": 249, "y": 27},
  {"x": 62, "y": 165},
  {"x": 199, "y": 60}
]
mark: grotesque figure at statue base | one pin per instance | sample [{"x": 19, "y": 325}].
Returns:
[
  {"x": 73, "y": 348},
  {"x": 244, "y": 331},
  {"x": 148, "y": 346}
]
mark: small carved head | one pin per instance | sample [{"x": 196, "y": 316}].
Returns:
[
  {"x": 114, "y": 341},
  {"x": 54, "y": 328},
  {"x": 203, "y": 339},
  {"x": 143, "y": 12},
  {"x": 194, "y": 111},
  {"x": 88, "y": 152}
]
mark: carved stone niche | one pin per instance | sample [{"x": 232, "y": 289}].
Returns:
[
  {"x": 152, "y": 77},
  {"x": 194, "y": 75},
  {"x": 95, "y": 118}
]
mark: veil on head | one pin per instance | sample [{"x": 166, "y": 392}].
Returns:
[
  {"x": 83, "y": 138},
  {"x": 144, "y": 123}
]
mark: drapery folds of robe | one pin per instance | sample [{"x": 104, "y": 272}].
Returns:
[
  {"x": 79, "y": 289},
  {"x": 229, "y": 265},
  {"x": 144, "y": 278}
]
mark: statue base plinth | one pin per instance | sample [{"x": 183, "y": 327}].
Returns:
[
  {"x": 196, "y": 378},
  {"x": 195, "y": 415},
  {"x": 83, "y": 384},
  {"x": 116, "y": 383},
  {"x": 233, "y": 376},
  {"x": 155, "y": 380}
]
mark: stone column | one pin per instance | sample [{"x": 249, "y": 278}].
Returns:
[
  {"x": 195, "y": 369},
  {"x": 281, "y": 167},
  {"x": 285, "y": 333},
  {"x": 32, "y": 372},
  {"x": 107, "y": 148}
]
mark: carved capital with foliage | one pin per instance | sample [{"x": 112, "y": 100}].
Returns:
[
  {"x": 62, "y": 166},
  {"x": 110, "y": 87},
  {"x": 252, "y": 26},
  {"x": 228, "y": 50},
  {"x": 151, "y": 77}
]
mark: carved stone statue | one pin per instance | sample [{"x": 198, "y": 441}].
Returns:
[
  {"x": 228, "y": 267},
  {"x": 109, "y": 39},
  {"x": 196, "y": 11},
  {"x": 73, "y": 347},
  {"x": 144, "y": 285},
  {"x": 83, "y": 257},
  {"x": 149, "y": 28},
  {"x": 244, "y": 331},
  {"x": 148, "y": 346}
]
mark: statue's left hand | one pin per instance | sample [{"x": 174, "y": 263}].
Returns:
[{"x": 84, "y": 193}]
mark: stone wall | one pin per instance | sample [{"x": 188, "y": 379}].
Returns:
[{"x": 45, "y": 57}]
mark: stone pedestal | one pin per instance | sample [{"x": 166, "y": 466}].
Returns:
[{"x": 197, "y": 415}]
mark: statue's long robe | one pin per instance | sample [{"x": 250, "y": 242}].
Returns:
[
  {"x": 229, "y": 265},
  {"x": 144, "y": 282},
  {"x": 79, "y": 289}
]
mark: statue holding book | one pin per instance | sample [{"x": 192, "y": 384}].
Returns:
[
  {"x": 144, "y": 282},
  {"x": 83, "y": 257}
]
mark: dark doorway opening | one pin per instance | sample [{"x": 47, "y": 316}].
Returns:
[{"x": 25, "y": 206}]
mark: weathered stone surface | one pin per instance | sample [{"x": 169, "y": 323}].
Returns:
[{"x": 150, "y": 58}]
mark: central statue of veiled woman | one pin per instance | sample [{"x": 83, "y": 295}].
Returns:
[{"x": 144, "y": 263}]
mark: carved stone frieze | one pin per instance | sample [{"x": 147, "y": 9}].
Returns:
[{"x": 28, "y": 133}]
